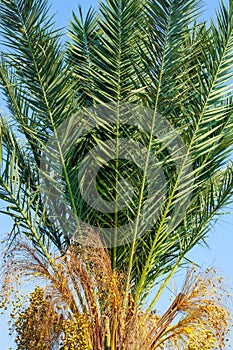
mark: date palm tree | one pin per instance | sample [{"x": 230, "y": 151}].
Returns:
[{"x": 143, "y": 76}]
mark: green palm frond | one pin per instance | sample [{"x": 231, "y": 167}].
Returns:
[
  {"x": 20, "y": 189},
  {"x": 167, "y": 53},
  {"x": 214, "y": 195},
  {"x": 85, "y": 34},
  {"x": 35, "y": 80},
  {"x": 209, "y": 142},
  {"x": 22, "y": 196},
  {"x": 36, "y": 58},
  {"x": 105, "y": 47},
  {"x": 117, "y": 53}
]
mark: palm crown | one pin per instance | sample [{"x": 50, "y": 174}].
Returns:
[{"x": 149, "y": 59}]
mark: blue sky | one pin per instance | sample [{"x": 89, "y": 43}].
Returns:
[{"x": 220, "y": 239}]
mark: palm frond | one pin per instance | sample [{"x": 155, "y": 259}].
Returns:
[
  {"x": 34, "y": 77},
  {"x": 108, "y": 49},
  {"x": 208, "y": 146},
  {"x": 19, "y": 189},
  {"x": 85, "y": 36}
]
